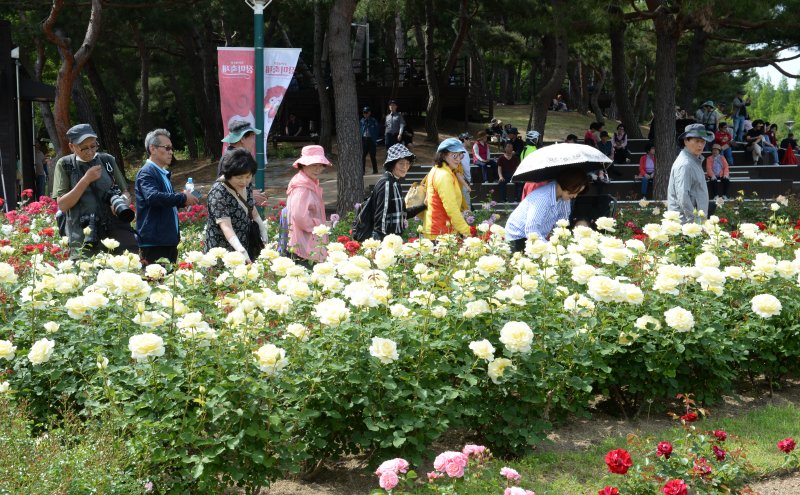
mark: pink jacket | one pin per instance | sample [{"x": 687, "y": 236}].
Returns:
[{"x": 306, "y": 211}]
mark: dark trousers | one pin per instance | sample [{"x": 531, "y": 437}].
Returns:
[
  {"x": 151, "y": 254},
  {"x": 390, "y": 140},
  {"x": 517, "y": 245},
  {"x": 503, "y": 184},
  {"x": 368, "y": 147},
  {"x": 713, "y": 187},
  {"x": 41, "y": 186}
]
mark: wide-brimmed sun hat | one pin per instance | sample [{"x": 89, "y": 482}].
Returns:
[
  {"x": 237, "y": 129},
  {"x": 397, "y": 152},
  {"x": 715, "y": 146},
  {"x": 452, "y": 145},
  {"x": 708, "y": 103},
  {"x": 312, "y": 154},
  {"x": 698, "y": 131}
]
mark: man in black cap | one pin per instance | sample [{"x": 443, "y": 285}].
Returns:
[
  {"x": 393, "y": 125},
  {"x": 368, "y": 127},
  {"x": 92, "y": 193},
  {"x": 515, "y": 140}
]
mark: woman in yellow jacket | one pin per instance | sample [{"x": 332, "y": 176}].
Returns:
[{"x": 443, "y": 196}]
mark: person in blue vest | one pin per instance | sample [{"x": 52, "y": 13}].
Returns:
[
  {"x": 368, "y": 128},
  {"x": 157, "y": 202}
]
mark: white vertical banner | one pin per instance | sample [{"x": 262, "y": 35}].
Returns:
[{"x": 279, "y": 65}]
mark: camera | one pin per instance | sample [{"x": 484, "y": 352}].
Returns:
[
  {"x": 119, "y": 205},
  {"x": 93, "y": 236}
]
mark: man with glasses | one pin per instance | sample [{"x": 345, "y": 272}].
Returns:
[
  {"x": 157, "y": 202},
  {"x": 85, "y": 184}
]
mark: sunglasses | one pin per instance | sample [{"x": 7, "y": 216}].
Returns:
[
  {"x": 92, "y": 147},
  {"x": 166, "y": 148}
]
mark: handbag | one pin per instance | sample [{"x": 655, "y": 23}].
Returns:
[
  {"x": 415, "y": 197},
  {"x": 254, "y": 242}
]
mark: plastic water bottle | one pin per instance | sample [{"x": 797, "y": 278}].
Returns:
[{"x": 189, "y": 187}]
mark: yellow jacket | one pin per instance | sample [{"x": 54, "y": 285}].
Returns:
[{"x": 445, "y": 204}]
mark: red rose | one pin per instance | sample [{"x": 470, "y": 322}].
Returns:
[
  {"x": 618, "y": 461},
  {"x": 352, "y": 246},
  {"x": 674, "y": 487},
  {"x": 689, "y": 417},
  {"x": 702, "y": 467},
  {"x": 609, "y": 490},
  {"x": 640, "y": 237},
  {"x": 343, "y": 239},
  {"x": 47, "y": 232},
  {"x": 473, "y": 230},
  {"x": 665, "y": 449},
  {"x": 723, "y": 220},
  {"x": 761, "y": 226},
  {"x": 735, "y": 234},
  {"x": 721, "y": 435},
  {"x": 183, "y": 265},
  {"x": 787, "y": 445},
  {"x": 2, "y": 202},
  {"x": 27, "y": 193},
  {"x": 719, "y": 453}
]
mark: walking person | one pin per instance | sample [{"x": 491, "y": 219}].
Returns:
[
  {"x": 368, "y": 128},
  {"x": 306, "y": 206},
  {"x": 390, "y": 212},
  {"x": 242, "y": 135}
]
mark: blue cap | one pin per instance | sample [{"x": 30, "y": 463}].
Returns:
[{"x": 452, "y": 145}]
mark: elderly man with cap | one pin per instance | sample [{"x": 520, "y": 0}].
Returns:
[
  {"x": 157, "y": 202},
  {"x": 393, "y": 125},
  {"x": 687, "y": 192},
  {"x": 92, "y": 193},
  {"x": 368, "y": 127},
  {"x": 242, "y": 134}
]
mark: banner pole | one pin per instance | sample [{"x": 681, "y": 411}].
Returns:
[{"x": 258, "y": 45}]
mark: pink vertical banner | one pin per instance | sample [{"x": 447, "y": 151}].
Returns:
[{"x": 237, "y": 83}]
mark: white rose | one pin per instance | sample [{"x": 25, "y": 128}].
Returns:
[
  {"x": 281, "y": 265},
  {"x": 497, "y": 368},
  {"x": 765, "y": 305},
  {"x": 298, "y": 331},
  {"x": 774, "y": 207},
  {"x": 271, "y": 359},
  {"x": 483, "y": 349},
  {"x": 332, "y": 312},
  {"x": 706, "y": 260},
  {"x": 41, "y": 351},
  {"x": 643, "y": 322},
  {"x": 439, "y": 312},
  {"x": 692, "y": 230},
  {"x": 399, "y": 311},
  {"x": 734, "y": 272},
  {"x": 475, "y": 308},
  {"x": 7, "y": 275},
  {"x": 4, "y": 386},
  {"x": 486, "y": 265},
  {"x": 233, "y": 258},
  {"x": 7, "y": 350},
  {"x": 393, "y": 242},
  {"x": 321, "y": 230},
  {"x": 145, "y": 345},
  {"x": 643, "y": 202},
  {"x": 384, "y": 349},
  {"x": 577, "y": 303},
  {"x": 385, "y": 258},
  {"x": 679, "y": 319},
  {"x": 155, "y": 271},
  {"x": 583, "y": 273},
  {"x": 151, "y": 319},
  {"x": 102, "y": 362},
  {"x": 605, "y": 223},
  {"x": 110, "y": 244},
  {"x": 631, "y": 294},
  {"x": 516, "y": 336},
  {"x": 603, "y": 289}
]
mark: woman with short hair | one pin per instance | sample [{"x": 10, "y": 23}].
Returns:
[{"x": 390, "y": 212}]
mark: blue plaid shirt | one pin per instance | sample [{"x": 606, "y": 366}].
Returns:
[{"x": 538, "y": 212}]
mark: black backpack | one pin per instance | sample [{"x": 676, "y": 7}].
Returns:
[{"x": 364, "y": 221}]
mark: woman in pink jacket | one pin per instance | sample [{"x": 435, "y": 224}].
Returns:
[
  {"x": 306, "y": 206},
  {"x": 717, "y": 172}
]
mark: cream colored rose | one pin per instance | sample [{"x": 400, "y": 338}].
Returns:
[
  {"x": 7, "y": 350},
  {"x": 679, "y": 319},
  {"x": 110, "y": 244},
  {"x": 131, "y": 286},
  {"x": 155, "y": 271},
  {"x": 332, "y": 312},
  {"x": 516, "y": 336},
  {"x": 298, "y": 331},
  {"x": 321, "y": 230},
  {"x": 671, "y": 228},
  {"x": 233, "y": 259},
  {"x": 647, "y": 321},
  {"x": 370, "y": 244},
  {"x": 384, "y": 349},
  {"x": 631, "y": 294},
  {"x": 271, "y": 359},
  {"x": 439, "y": 312},
  {"x": 786, "y": 269},
  {"x": 579, "y": 304},
  {"x": 734, "y": 272},
  {"x": 766, "y": 305},
  {"x": 483, "y": 349},
  {"x": 7, "y": 274},
  {"x": 77, "y": 307},
  {"x": 151, "y": 319},
  {"x": 692, "y": 230},
  {"x": 41, "y": 351},
  {"x": 487, "y": 265},
  {"x": 496, "y": 369},
  {"x": 146, "y": 345},
  {"x": 4, "y": 387},
  {"x": 604, "y": 289},
  {"x": 605, "y": 223},
  {"x": 102, "y": 362},
  {"x": 399, "y": 311},
  {"x": 706, "y": 260},
  {"x": 475, "y": 308},
  {"x": 335, "y": 246}
]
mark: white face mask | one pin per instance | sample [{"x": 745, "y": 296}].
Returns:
[{"x": 90, "y": 161}]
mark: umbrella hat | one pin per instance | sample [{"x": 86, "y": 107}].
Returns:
[{"x": 548, "y": 161}]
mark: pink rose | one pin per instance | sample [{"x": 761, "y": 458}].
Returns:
[
  {"x": 454, "y": 470},
  {"x": 394, "y": 465},
  {"x": 515, "y": 490},
  {"x": 474, "y": 450},
  {"x": 433, "y": 475},
  {"x": 510, "y": 474},
  {"x": 452, "y": 463},
  {"x": 388, "y": 480}
]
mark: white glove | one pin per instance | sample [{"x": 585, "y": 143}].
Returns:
[
  {"x": 262, "y": 229},
  {"x": 237, "y": 246}
]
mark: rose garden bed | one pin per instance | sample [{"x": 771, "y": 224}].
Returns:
[{"x": 216, "y": 373}]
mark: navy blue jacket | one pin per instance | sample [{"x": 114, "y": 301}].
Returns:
[{"x": 156, "y": 216}]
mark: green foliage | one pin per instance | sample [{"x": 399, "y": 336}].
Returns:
[
  {"x": 69, "y": 455},
  {"x": 776, "y": 104}
]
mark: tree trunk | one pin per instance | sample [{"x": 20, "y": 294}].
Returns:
[
  {"x": 83, "y": 107},
  {"x": 667, "y": 34},
  {"x": 691, "y": 74},
  {"x": 389, "y": 46},
  {"x": 202, "y": 105},
  {"x": 108, "y": 129},
  {"x": 640, "y": 95},
  {"x": 325, "y": 111},
  {"x": 145, "y": 124},
  {"x": 208, "y": 55},
  {"x": 44, "y": 108},
  {"x": 71, "y": 64},
  {"x": 431, "y": 78},
  {"x": 554, "y": 70},
  {"x": 584, "y": 77},
  {"x": 619, "y": 74},
  {"x": 349, "y": 173},
  {"x": 183, "y": 115},
  {"x": 598, "y": 87},
  {"x": 574, "y": 101}
]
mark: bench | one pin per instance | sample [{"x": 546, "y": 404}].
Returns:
[{"x": 275, "y": 138}]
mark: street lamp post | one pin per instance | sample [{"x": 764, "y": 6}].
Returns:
[{"x": 258, "y": 7}]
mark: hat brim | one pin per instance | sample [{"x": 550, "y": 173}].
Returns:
[
  {"x": 235, "y": 137},
  {"x": 83, "y": 138},
  {"x": 311, "y": 160},
  {"x": 708, "y": 136}
]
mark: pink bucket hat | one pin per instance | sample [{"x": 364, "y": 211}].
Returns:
[{"x": 312, "y": 154}]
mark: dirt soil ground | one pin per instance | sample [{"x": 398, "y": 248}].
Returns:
[{"x": 350, "y": 477}]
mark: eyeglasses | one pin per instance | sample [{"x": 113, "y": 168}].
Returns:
[
  {"x": 457, "y": 153},
  {"x": 166, "y": 148},
  {"x": 92, "y": 147}
]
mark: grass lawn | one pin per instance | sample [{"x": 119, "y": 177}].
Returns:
[{"x": 574, "y": 473}]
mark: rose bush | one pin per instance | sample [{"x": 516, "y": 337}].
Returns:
[{"x": 225, "y": 373}]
